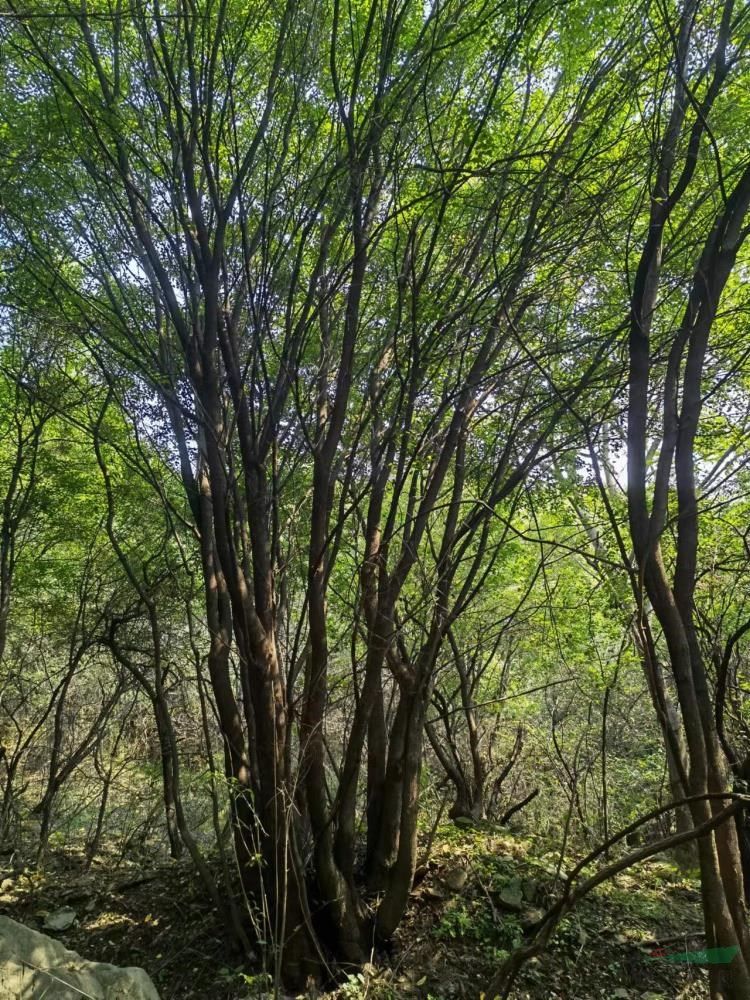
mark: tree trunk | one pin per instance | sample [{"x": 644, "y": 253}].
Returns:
[{"x": 400, "y": 875}]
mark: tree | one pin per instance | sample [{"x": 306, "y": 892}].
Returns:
[
  {"x": 345, "y": 288},
  {"x": 696, "y": 79},
  {"x": 324, "y": 251}
]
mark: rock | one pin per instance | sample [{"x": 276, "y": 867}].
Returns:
[
  {"x": 530, "y": 917},
  {"x": 33, "y": 966},
  {"x": 530, "y": 889},
  {"x": 60, "y": 920},
  {"x": 511, "y": 896},
  {"x": 455, "y": 878}
]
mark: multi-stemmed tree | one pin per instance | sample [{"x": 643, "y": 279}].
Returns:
[{"x": 351, "y": 274}]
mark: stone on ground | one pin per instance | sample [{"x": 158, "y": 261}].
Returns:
[{"x": 33, "y": 966}]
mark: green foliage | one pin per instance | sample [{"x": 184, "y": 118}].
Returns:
[
  {"x": 314, "y": 376},
  {"x": 477, "y": 921}
]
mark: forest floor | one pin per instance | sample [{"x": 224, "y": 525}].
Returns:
[{"x": 470, "y": 904}]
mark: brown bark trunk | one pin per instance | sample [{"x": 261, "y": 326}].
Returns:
[
  {"x": 400, "y": 875},
  {"x": 385, "y": 837}
]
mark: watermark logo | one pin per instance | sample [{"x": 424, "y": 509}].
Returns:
[{"x": 707, "y": 956}]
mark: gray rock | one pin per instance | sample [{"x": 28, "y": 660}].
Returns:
[
  {"x": 511, "y": 895},
  {"x": 530, "y": 889},
  {"x": 33, "y": 966},
  {"x": 60, "y": 920},
  {"x": 455, "y": 878}
]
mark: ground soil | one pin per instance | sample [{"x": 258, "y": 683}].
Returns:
[{"x": 472, "y": 900}]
